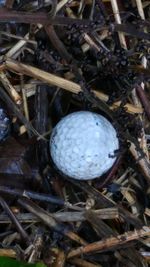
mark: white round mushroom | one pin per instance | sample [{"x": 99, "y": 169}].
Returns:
[{"x": 83, "y": 145}]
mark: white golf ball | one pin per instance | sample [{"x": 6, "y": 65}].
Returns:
[{"x": 83, "y": 144}]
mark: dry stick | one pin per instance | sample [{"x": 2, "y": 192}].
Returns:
[
  {"x": 12, "y": 53},
  {"x": 108, "y": 213},
  {"x": 22, "y": 218},
  {"x": 33, "y": 195},
  {"x": 143, "y": 163},
  {"x": 8, "y": 253},
  {"x": 60, "y": 82},
  {"x": 15, "y": 221},
  {"x": 83, "y": 263},
  {"x": 66, "y": 216},
  {"x": 131, "y": 200},
  {"x": 38, "y": 244},
  {"x": 44, "y": 76},
  {"x": 101, "y": 228},
  {"x": 49, "y": 220},
  {"x": 110, "y": 243},
  {"x": 44, "y": 18},
  {"x": 61, "y": 4},
  {"x": 140, "y": 8},
  {"x": 10, "y": 89},
  {"x": 16, "y": 110},
  {"x": 17, "y": 37},
  {"x": 38, "y": 196},
  {"x": 24, "y": 97},
  {"x": 129, "y": 217},
  {"x": 60, "y": 259},
  {"x": 38, "y": 17},
  {"x": 23, "y": 17},
  {"x": 118, "y": 20}
]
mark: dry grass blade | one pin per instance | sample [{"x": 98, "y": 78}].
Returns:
[{"x": 22, "y": 218}]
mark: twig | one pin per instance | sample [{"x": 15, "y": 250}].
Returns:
[
  {"x": 110, "y": 243},
  {"x": 140, "y": 8},
  {"x": 15, "y": 221},
  {"x": 83, "y": 263},
  {"x": 18, "y": 37},
  {"x": 13, "y": 52},
  {"x": 60, "y": 259},
  {"x": 22, "y": 218},
  {"x": 49, "y": 220},
  {"x": 10, "y": 89},
  {"x": 61, "y": 4},
  {"x": 118, "y": 20},
  {"x": 61, "y": 82},
  {"x": 11, "y": 105},
  {"x": 8, "y": 253},
  {"x": 131, "y": 200},
  {"x": 24, "y": 97},
  {"x": 102, "y": 229},
  {"x": 143, "y": 163},
  {"x": 37, "y": 196},
  {"x": 37, "y": 246},
  {"x": 109, "y": 213},
  {"x": 38, "y": 17},
  {"x": 44, "y": 76},
  {"x": 66, "y": 216}
]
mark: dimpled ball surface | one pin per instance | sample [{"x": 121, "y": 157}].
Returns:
[{"x": 82, "y": 145}]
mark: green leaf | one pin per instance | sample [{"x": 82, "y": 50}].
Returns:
[{"x": 7, "y": 262}]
